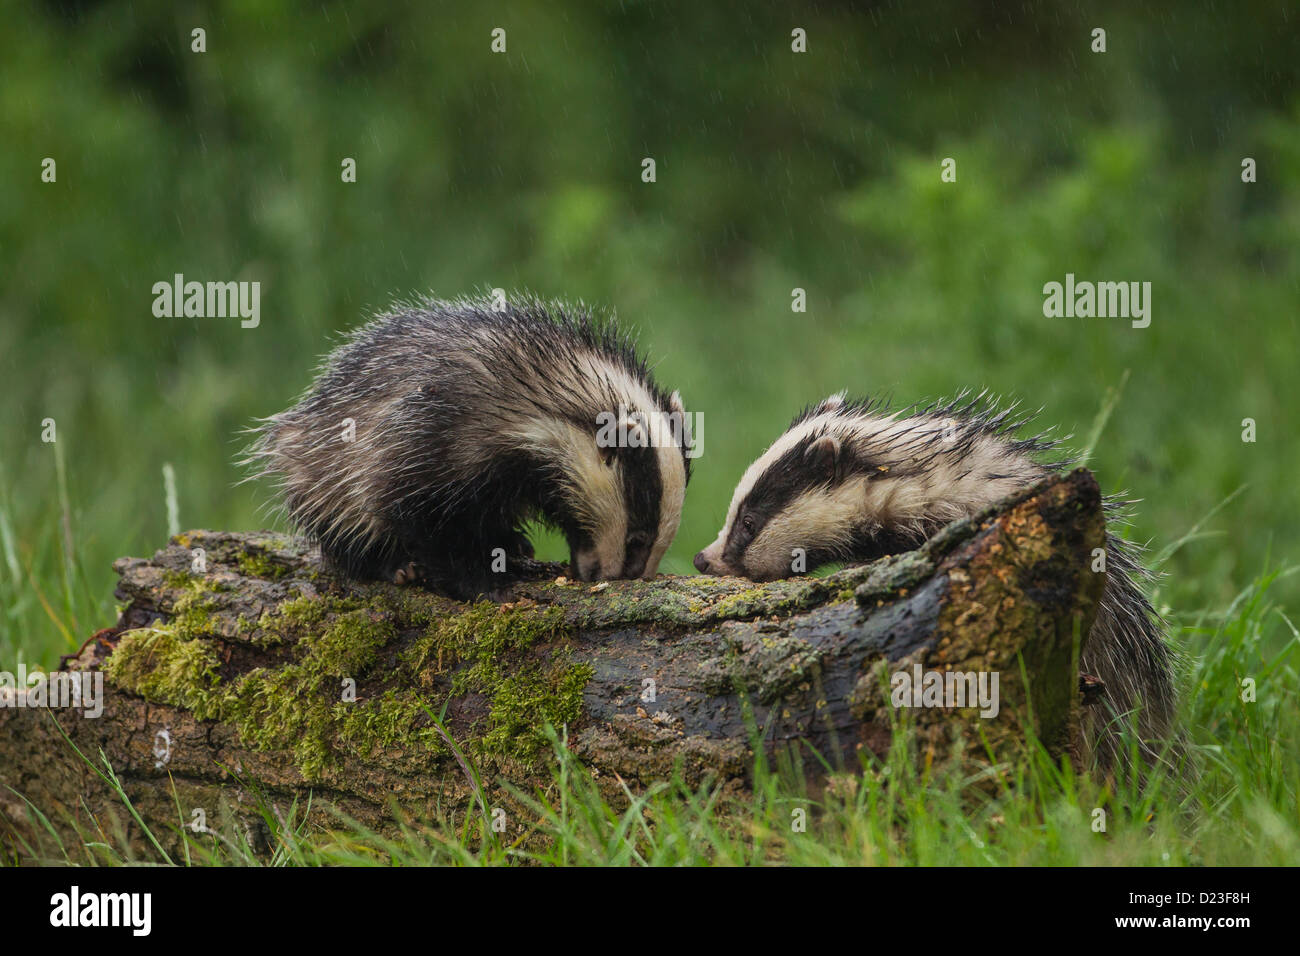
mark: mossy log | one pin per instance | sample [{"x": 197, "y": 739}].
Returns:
[{"x": 262, "y": 676}]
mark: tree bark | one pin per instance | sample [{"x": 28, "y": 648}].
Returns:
[{"x": 229, "y": 677}]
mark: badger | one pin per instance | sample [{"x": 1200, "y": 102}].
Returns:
[
  {"x": 852, "y": 481},
  {"x": 435, "y": 433}
]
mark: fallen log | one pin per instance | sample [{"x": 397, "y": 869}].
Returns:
[{"x": 240, "y": 670}]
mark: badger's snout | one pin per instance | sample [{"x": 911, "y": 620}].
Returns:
[
  {"x": 709, "y": 561},
  {"x": 584, "y": 565}
]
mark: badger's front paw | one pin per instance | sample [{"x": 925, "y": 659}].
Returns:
[{"x": 408, "y": 573}]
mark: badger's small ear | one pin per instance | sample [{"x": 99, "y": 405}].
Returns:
[
  {"x": 823, "y": 457},
  {"x": 680, "y": 422},
  {"x": 633, "y": 427},
  {"x": 606, "y": 436},
  {"x": 832, "y": 404}
]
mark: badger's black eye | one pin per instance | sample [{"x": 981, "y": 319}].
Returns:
[{"x": 747, "y": 523}]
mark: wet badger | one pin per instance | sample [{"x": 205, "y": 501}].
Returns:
[
  {"x": 434, "y": 434},
  {"x": 851, "y": 481}
]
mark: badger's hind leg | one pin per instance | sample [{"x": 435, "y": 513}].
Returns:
[
  {"x": 362, "y": 560},
  {"x": 392, "y": 560},
  {"x": 1134, "y": 704}
]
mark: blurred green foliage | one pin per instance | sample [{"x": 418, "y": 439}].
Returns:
[{"x": 522, "y": 170}]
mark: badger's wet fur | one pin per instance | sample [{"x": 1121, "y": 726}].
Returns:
[
  {"x": 435, "y": 433},
  {"x": 852, "y": 481}
]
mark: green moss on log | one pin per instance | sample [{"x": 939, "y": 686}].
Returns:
[
  {"x": 517, "y": 657},
  {"x": 257, "y": 564},
  {"x": 494, "y": 652}
]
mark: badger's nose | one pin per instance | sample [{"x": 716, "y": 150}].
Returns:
[{"x": 701, "y": 563}]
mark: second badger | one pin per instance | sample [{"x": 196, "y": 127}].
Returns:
[
  {"x": 435, "y": 433},
  {"x": 853, "y": 481}
]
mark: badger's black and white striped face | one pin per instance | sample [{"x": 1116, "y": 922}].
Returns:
[
  {"x": 619, "y": 504},
  {"x": 629, "y": 499},
  {"x": 849, "y": 483}
]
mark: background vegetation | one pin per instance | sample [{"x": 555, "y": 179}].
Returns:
[{"x": 775, "y": 171}]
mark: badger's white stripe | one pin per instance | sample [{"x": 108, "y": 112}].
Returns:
[
  {"x": 632, "y": 392},
  {"x": 594, "y": 488}
]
